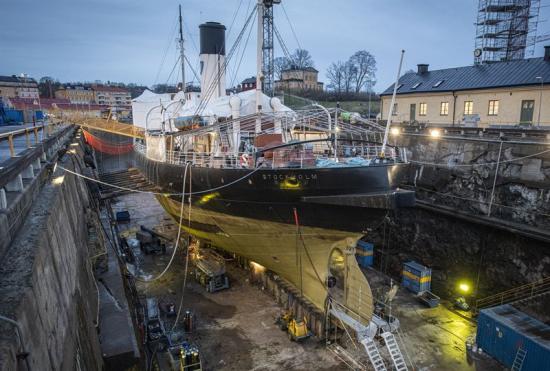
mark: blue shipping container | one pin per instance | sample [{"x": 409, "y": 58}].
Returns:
[
  {"x": 14, "y": 116},
  {"x": 502, "y": 330},
  {"x": 364, "y": 253},
  {"x": 416, "y": 277}
]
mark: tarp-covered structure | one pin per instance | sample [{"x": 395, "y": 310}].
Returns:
[{"x": 160, "y": 107}]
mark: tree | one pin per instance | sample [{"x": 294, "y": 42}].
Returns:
[
  {"x": 365, "y": 69},
  {"x": 302, "y": 59},
  {"x": 335, "y": 75},
  {"x": 47, "y": 86},
  {"x": 279, "y": 65},
  {"x": 349, "y": 74}
]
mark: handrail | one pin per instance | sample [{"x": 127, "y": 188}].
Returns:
[{"x": 518, "y": 293}]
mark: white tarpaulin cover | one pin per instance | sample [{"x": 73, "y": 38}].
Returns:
[
  {"x": 149, "y": 101},
  {"x": 179, "y": 107}
]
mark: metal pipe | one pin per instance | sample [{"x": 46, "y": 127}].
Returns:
[
  {"x": 147, "y": 116},
  {"x": 328, "y": 115},
  {"x": 540, "y": 98},
  {"x": 388, "y": 124},
  {"x": 495, "y": 180},
  {"x": 19, "y": 336}
]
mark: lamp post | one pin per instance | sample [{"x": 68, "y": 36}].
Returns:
[{"x": 540, "y": 98}]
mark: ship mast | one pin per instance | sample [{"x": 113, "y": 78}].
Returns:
[
  {"x": 390, "y": 112},
  {"x": 182, "y": 54}
]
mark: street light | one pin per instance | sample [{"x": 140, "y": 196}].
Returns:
[{"x": 540, "y": 97}]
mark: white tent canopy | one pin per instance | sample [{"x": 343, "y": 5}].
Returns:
[
  {"x": 149, "y": 102},
  {"x": 179, "y": 107}
]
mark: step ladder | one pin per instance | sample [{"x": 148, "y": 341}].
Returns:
[
  {"x": 518, "y": 361},
  {"x": 374, "y": 355},
  {"x": 395, "y": 352}
]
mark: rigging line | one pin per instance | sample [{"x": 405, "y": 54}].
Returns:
[
  {"x": 246, "y": 12},
  {"x": 173, "y": 68},
  {"x": 172, "y": 34},
  {"x": 177, "y": 238},
  {"x": 161, "y": 193},
  {"x": 473, "y": 165},
  {"x": 192, "y": 69},
  {"x": 238, "y": 67},
  {"x": 234, "y": 17},
  {"x": 291, "y": 26}
]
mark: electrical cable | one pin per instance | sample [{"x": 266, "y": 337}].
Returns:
[
  {"x": 186, "y": 255},
  {"x": 177, "y": 238},
  {"x": 160, "y": 193}
]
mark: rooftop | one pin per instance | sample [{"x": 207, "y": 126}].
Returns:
[
  {"x": 108, "y": 88},
  {"x": 53, "y": 103},
  {"x": 296, "y": 68},
  {"x": 17, "y": 79},
  {"x": 492, "y": 75}
]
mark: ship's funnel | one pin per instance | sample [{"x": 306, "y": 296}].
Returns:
[{"x": 212, "y": 58}]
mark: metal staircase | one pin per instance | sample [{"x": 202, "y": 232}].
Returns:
[
  {"x": 395, "y": 353},
  {"x": 518, "y": 361},
  {"x": 517, "y": 294},
  {"x": 374, "y": 355}
]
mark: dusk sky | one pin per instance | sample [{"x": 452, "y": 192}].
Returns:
[{"x": 125, "y": 40}]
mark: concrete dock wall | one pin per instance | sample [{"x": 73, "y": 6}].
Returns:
[
  {"x": 450, "y": 237},
  {"x": 47, "y": 285}
]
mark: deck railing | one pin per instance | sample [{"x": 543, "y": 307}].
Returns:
[{"x": 300, "y": 155}]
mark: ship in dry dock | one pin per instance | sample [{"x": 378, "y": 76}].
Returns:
[{"x": 291, "y": 190}]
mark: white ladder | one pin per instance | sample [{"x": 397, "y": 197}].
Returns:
[
  {"x": 395, "y": 352},
  {"x": 518, "y": 361},
  {"x": 374, "y": 355}
]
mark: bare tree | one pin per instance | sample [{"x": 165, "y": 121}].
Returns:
[
  {"x": 349, "y": 74},
  {"x": 280, "y": 64},
  {"x": 335, "y": 75},
  {"x": 302, "y": 59},
  {"x": 365, "y": 69}
]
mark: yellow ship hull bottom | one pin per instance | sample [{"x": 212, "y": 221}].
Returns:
[{"x": 278, "y": 247}]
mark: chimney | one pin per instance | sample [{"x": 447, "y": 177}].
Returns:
[
  {"x": 212, "y": 58},
  {"x": 547, "y": 53},
  {"x": 422, "y": 68}
]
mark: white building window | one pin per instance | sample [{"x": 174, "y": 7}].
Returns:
[
  {"x": 444, "y": 109},
  {"x": 394, "y": 110},
  {"x": 493, "y": 107},
  {"x": 468, "y": 107},
  {"x": 423, "y": 109}
]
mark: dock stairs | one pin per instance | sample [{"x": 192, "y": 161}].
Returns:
[
  {"x": 374, "y": 355},
  {"x": 518, "y": 294},
  {"x": 395, "y": 353},
  {"x": 518, "y": 360}
]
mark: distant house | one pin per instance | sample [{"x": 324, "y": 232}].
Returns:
[
  {"x": 77, "y": 94},
  {"x": 295, "y": 78},
  {"x": 248, "y": 84},
  {"x": 54, "y": 106},
  {"x": 112, "y": 96},
  {"x": 18, "y": 87},
  {"x": 501, "y": 93}
]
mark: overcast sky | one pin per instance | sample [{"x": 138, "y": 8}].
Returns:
[{"x": 126, "y": 40}]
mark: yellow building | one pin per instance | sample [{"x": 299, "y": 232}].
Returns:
[
  {"x": 295, "y": 78},
  {"x": 502, "y": 93},
  {"x": 76, "y": 94}
]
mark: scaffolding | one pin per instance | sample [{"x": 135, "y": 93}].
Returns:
[
  {"x": 505, "y": 29},
  {"x": 268, "y": 70}
]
